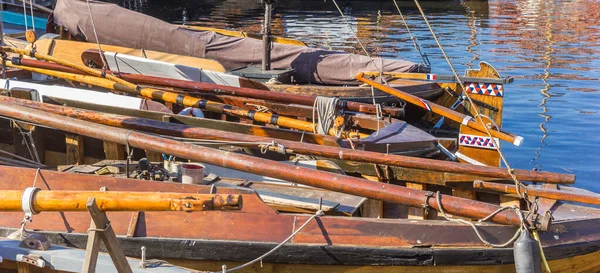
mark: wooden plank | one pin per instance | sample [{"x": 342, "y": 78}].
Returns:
[
  {"x": 416, "y": 213},
  {"x": 75, "y": 151},
  {"x": 113, "y": 150},
  {"x": 372, "y": 208},
  {"x": 153, "y": 156},
  {"x": 133, "y": 223},
  {"x": 23, "y": 268},
  {"x": 91, "y": 250},
  {"x": 108, "y": 237}
]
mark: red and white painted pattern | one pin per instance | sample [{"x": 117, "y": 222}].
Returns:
[
  {"x": 488, "y": 89},
  {"x": 476, "y": 141}
]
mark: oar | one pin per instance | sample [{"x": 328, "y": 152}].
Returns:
[
  {"x": 181, "y": 130},
  {"x": 316, "y": 178},
  {"x": 438, "y": 78},
  {"x": 440, "y": 110},
  {"x": 59, "y": 200},
  {"x": 216, "y": 88},
  {"x": 593, "y": 199},
  {"x": 112, "y": 82}
]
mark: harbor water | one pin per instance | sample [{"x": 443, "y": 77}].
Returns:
[{"x": 551, "y": 48}]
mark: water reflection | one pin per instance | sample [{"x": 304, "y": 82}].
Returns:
[
  {"x": 552, "y": 48},
  {"x": 548, "y": 33}
]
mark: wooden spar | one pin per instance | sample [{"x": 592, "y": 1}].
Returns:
[
  {"x": 437, "y": 78},
  {"x": 266, "y": 60},
  {"x": 181, "y": 99},
  {"x": 219, "y": 89},
  {"x": 310, "y": 177},
  {"x": 298, "y": 124},
  {"x": 440, "y": 110},
  {"x": 593, "y": 198},
  {"x": 46, "y": 200},
  {"x": 181, "y": 130}
]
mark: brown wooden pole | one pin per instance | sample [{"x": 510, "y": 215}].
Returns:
[
  {"x": 46, "y": 200},
  {"x": 591, "y": 198},
  {"x": 311, "y": 177},
  {"x": 181, "y": 130},
  {"x": 184, "y": 100},
  {"x": 440, "y": 110},
  {"x": 219, "y": 89}
]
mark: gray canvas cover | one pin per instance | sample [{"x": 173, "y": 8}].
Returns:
[{"x": 122, "y": 27}]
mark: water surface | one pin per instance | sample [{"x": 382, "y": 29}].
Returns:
[{"x": 551, "y": 48}]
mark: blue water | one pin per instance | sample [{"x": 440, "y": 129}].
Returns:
[{"x": 552, "y": 48}]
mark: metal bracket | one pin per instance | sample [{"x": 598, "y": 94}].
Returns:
[
  {"x": 32, "y": 260},
  {"x": 27, "y": 201}
]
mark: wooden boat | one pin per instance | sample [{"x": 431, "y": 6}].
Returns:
[
  {"x": 329, "y": 244},
  {"x": 332, "y": 243},
  {"x": 404, "y": 202},
  {"x": 72, "y": 50}
]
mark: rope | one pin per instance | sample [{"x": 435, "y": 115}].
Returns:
[
  {"x": 380, "y": 71},
  {"x": 536, "y": 236},
  {"x": 317, "y": 214},
  {"x": 105, "y": 66},
  {"x": 29, "y": 144},
  {"x": 478, "y": 117},
  {"x": 413, "y": 38},
  {"x": 378, "y": 111},
  {"x": 25, "y": 15},
  {"x": 325, "y": 109},
  {"x": 32, "y": 18},
  {"x": 517, "y": 233},
  {"x": 99, "y": 229}
]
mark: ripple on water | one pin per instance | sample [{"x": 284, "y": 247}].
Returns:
[{"x": 543, "y": 44}]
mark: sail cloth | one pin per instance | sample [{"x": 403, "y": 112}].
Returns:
[{"x": 122, "y": 27}]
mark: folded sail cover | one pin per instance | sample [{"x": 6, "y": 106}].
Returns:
[{"x": 122, "y": 27}]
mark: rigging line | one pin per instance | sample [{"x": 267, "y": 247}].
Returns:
[
  {"x": 32, "y": 18},
  {"x": 477, "y": 116},
  {"x": 25, "y": 15},
  {"x": 360, "y": 43},
  {"x": 105, "y": 67},
  {"x": 380, "y": 71},
  {"x": 412, "y": 37}
]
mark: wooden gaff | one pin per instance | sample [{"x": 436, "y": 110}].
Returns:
[
  {"x": 440, "y": 110},
  {"x": 181, "y": 130},
  {"x": 46, "y": 200},
  {"x": 593, "y": 199},
  {"x": 316, "y": 178}
]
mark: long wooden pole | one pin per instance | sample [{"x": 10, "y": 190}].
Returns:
[
  {"x": 437, "y": 78},
  {"x": 440, "y": 110},
  {"x": 181, "y": 130},
  {"x": 47, "y": 200},
  {"x": 219, "y": 89},
  {"x": 184, "y": 100},
  {"x": 592, "y": 198},
  {"x": 316, "y": 178}
]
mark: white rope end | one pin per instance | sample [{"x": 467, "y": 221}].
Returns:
[{"x": 518, "y": 141}]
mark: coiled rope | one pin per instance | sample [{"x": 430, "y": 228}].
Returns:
[{"x": 324, "y": 108}]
